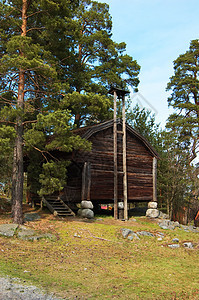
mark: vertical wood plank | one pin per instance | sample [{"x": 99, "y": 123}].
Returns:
[
  {"x": 88, "y": 181},
  {"x": 84, "y": 181},
  {"x": 115, "y": 158},
  {"x": 124, "y": 160},
  {"x": 155, "y": 179}
]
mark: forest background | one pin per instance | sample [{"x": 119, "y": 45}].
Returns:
[{"x": 57, "y": 64}]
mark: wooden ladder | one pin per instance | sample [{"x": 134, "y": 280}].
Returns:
[
  {"x": 56, "y": 206},
  {"x": 119, "y": 93}
]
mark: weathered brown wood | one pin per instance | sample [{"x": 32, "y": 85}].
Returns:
[
  {"x": 84, "y": 181},
  {"x": 115, "y": 158},
  {"x": 88, "y": 185},
  {"x": 155, "y": 179},
  {"x": 124, "y": 161},
  {"x": 100, "y": 187}
]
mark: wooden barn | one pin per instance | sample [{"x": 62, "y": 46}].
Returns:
[
  {"x": 121, "y": 167},
  {"x": 91, "y": 174}
]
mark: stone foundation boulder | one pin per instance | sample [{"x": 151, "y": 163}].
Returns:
[
  {"x": 86, "y": 205},
  {"x": 152, "y": 205},
  {"x": 152, "y": 213},
  {"x": 121, "y": 205},
  {"x": 86, "y": 213}
]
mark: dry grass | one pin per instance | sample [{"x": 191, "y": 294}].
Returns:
[{"x": 91, "y": 260}]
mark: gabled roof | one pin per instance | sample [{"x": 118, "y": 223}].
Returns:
[{"x": 87, "y": 132}]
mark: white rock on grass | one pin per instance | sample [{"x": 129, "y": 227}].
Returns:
[
  {"x": 174, "y": 246},
  {"x": 188, "y": 245}
]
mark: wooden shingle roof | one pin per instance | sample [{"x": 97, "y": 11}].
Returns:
[{"x": 87, "y": 132}]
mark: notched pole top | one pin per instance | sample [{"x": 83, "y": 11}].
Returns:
[{"x": 120, "y": 93}]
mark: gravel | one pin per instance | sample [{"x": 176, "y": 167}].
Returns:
[{"x": 13, "y": 289}]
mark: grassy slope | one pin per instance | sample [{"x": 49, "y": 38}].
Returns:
[{"x": 91, "y": 260}]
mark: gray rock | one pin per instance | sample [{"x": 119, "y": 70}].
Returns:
[
  {"x": 38, "y": 237},
  {"x": 175, "y": 240},
  {"x": 8, "y": 229},
  {"x": 145, "y": 233},
  {"x": 77, "y": 235},
  {"x": 152, "y": 213},
  {"x": 174, "y": 246},
  {"x": 165, "y": 223},
  {"x": 152, "y": 205},
  {"x": 176, "y": 224},
  {"x": 185, "y": 228},
  {"x": 188, "y": 245},
  {"x": 160, "y": 234},
  {"x": 86, "y": 205},
  {"x": 14, "y": 289},
  {"x": 164, "y": 227},
  {"x": 126, "y": 232},
  {"x": 31, "y": 217},
  {"x": 134, "y": 220},
  {"x": 132, "y": 236},
  {"x": 86, "y": 213},
  {"x": 163, "y": 216},
  {"x": 171, "y": 227},
  {"x": 25, "y": 232},
  {"x": 193, "y": 228}
]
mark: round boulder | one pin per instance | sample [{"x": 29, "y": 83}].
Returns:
[
  {"x": 152, "y": 213},
  {"x": 86, "y": 204},
  {"x": 86, "y": 213},
  {"x": 152, "y": 205},
  {"x": 121, "y": 205}
]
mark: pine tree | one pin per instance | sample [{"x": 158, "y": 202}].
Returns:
[
  {"x": 30, "y": 84},
  {"x": 98, "y": 62},
  {"x": 144, "y": 122},
  {"x": 184, "y": 85}
]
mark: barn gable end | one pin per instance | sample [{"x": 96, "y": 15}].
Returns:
[{"x": 91, "y": 174}]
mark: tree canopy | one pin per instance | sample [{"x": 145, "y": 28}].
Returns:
[
  {"x": 57, "y": 62},
  {"x": 184, "y": 86}
]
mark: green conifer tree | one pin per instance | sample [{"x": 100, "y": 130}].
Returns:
[
  {"x": 30, "y": 81},
  {"x": 184, "y": 98}
]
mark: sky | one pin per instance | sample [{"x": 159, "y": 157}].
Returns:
[{"x": 156, "y": 33}]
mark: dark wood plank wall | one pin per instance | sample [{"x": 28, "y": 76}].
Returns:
[{"x": 139, "y": 168}]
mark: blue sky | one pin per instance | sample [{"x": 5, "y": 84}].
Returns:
[{"x": 156, "y": 33}]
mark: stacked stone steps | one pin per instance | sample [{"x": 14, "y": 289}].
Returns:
[{"x": 56, "y": 205}]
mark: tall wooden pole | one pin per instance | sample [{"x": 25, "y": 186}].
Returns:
[
  {"x": 124, "y": 160},
  {"x": 115, "y": 158}
]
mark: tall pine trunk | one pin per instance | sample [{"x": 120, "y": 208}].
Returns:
[{"x": 18, "y": 174}]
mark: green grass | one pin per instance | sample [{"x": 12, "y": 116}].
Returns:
[{"x": 101, "y": 264}]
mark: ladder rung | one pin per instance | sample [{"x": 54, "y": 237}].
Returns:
[{"x": 121, "y": 132}]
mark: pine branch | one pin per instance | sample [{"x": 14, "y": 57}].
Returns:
[
  {"x": 29, "y": 122},
  {"x": 35, "y": 28}
]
